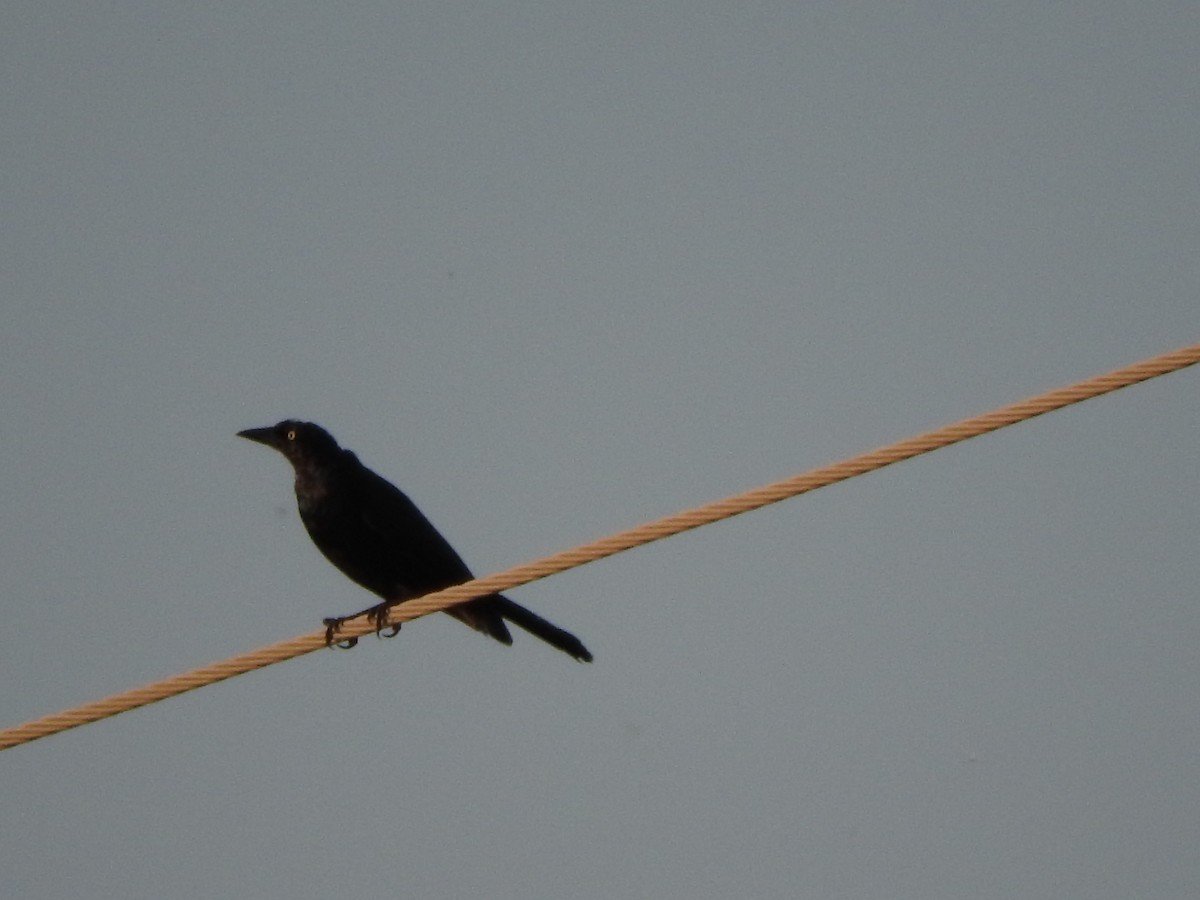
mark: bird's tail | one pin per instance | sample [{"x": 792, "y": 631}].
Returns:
[{"x": 540, "y": 628}]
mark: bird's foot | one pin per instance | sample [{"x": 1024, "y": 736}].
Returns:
[
  {"x": 378, "y": 616},
  {"x": 332, "y": 627}
]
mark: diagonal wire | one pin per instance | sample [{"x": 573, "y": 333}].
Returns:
[{"x": 616, "y": 543}]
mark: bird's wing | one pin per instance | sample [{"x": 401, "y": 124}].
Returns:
[{"x": 421, "y": 554}]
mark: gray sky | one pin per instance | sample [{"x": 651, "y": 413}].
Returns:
[{"x": 555, "y": 270}]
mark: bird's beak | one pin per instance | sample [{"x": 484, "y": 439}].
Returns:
[{"x": 260, "y": 436}]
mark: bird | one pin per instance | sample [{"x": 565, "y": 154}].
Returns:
[{"x": 370, "y": 530}]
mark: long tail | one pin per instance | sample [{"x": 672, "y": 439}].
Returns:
[{"x": 540, "y": 628}]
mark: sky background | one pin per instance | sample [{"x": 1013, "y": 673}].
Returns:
[{"x": 557, "y": 269}]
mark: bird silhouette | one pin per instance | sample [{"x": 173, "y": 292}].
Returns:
[{"x": 377, "y": 537}]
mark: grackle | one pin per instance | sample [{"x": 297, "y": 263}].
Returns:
[{"x": 379, "y": 539}]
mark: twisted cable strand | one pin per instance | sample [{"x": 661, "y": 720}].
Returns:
[{"x": 616, "y": 543}]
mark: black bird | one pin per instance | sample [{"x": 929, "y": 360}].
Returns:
[{"x": 371, "y": 531}]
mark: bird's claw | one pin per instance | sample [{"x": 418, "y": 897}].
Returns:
[
  {"x": 378, "y": 616},
  {"x": 332, "y": 627}
]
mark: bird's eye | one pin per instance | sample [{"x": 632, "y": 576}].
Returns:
[{"x": 291, "y": 435}]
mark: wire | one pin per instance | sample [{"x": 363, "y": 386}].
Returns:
[{"x": 616, "y": 543}]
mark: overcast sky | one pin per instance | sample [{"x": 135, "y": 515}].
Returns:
[{"x": 557, "y": 269}]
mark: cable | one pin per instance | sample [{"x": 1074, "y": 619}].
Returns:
[{"x": 625, "y": 540}]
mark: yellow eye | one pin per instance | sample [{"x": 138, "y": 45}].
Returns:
[{"x": 291, "y": 435}]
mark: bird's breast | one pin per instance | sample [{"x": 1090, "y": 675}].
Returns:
[{"x": 311, "y": 491}]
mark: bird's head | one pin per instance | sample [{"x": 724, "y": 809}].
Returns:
[{"x": 301, "y": 442}]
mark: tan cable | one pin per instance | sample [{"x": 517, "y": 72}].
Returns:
[{"x": 625, "y": 540}]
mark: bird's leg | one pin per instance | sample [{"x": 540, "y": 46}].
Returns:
[
  {"x": 332, "y": 627},
  {"x": 376, "y": 615}
]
